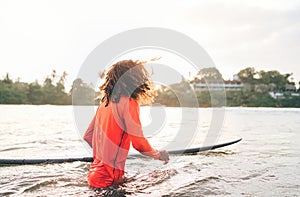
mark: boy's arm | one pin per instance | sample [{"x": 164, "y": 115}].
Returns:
[
  {"x": 134, "y": 130},
  {"x": 88, "y": 136},
  {"x": 142, "y": 145}
]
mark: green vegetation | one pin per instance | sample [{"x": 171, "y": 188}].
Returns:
[
  {"x": 82, "y": 93},
  {"x": 273, "y": 79},
  {"x": 249, "y": 99},
  {"x": 254, "y": 92},
  {"x": 51, "y": 92}
]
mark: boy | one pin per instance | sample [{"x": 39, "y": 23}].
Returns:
[{"x": 117, "y": 123}]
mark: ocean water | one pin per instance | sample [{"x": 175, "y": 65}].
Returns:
[{"x": 265, "y": 163}]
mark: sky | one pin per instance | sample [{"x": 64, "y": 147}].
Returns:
[{"x": 38, "y": 36}]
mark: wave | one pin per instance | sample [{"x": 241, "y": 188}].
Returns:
[{"x": 137, "y": 184}]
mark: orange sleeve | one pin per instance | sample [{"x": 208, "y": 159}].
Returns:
[
  {"x": 134, "y": 129},
  {"x": 88, "y": 136}
]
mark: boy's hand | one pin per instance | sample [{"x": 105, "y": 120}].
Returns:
[{"x": 164, "y": 156}]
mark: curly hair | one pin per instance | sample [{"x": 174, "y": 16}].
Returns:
[{"x": 127, "y": 78}]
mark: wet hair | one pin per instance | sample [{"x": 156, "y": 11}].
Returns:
[{"x": 127, "y": 78}]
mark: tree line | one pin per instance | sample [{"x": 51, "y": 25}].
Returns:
[
  {"x": 255, "y": 91},
  {"x": 51, "y": 91}
]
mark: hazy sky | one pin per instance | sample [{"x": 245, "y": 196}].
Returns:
[{"x": 38, "y": 36}]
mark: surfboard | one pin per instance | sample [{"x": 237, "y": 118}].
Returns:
[{"x": 90, "y": 159}]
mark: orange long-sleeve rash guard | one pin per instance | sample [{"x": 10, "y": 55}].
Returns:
[{"x": 110, "y": 133}]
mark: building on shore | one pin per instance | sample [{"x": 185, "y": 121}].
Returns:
[{"x": 227, "y": 85}]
